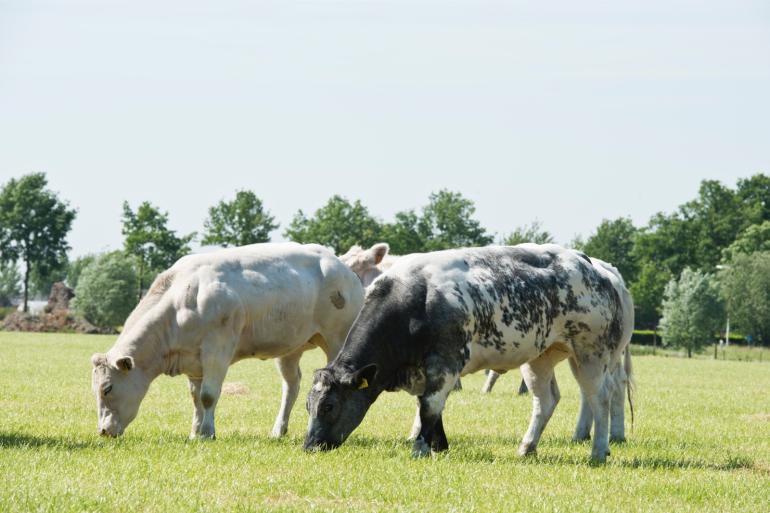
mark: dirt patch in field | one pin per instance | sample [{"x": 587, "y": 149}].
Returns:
[
  {"x": 235, "y": 389},
  {"x": 57, "y": 321},
  {"x": 756, "y": 417}
]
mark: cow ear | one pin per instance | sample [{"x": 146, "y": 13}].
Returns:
[
  {"x": 98, "y": 359},
  {"x": 379, "y": 251},
  {"x": 363, "y": 377},
  {"x": 124, "y": 363}
]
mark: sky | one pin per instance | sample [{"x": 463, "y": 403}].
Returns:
[{"x": 566, "y": 112}]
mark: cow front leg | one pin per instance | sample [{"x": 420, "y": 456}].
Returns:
[
  {"x": 540, "y": 379},
  {"x": 431, "y": 406},
  {"x": 288, "y": 366},
  {"x": 216, "y": 355},
  {"x": 197, "y": 420}
]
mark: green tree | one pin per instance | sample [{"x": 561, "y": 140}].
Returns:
[
  {"x": 404, "y": 235},
  {"x": 745, "y": 284},
  {"x": 647, "y": 291},
  {"x": 151, "y": 242},
  {"x": 754, "y": 238},
  {"x": 75, "y": 269},
  {"x": 696, "y": 234},
  {"x": 10, "y": 283},
  {"x": 339, "y": 224},
  {"x": 34, "y": 224},
  {"x": 692, "y": 311},
  {"x": 41, "y": 281},
  {"x": 613, "y": 242},
  {"x": 239, "y": 222},
  {"x": 106, "y": 290},
  {"x": 533, "y": 232},
  {"x": 447, "y": 222},
  {"x": 669, "y": 241},
  {"x": 754, "y": 197}
]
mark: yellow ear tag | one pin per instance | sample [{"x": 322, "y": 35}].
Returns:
[{"x": 364, "y": 384}]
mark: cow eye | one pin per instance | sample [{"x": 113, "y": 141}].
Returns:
[
  {"x": 326, "y": 408},
  {"x": 107, "y": 389}
]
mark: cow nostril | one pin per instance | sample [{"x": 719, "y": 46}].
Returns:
[{"x": 103, "y": 432}]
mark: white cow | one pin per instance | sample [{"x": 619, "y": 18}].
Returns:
[
  {"x": 210, "y": 310},
  {"x": 368, "y": 264}
]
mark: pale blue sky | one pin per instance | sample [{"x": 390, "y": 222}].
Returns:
[{"x": 564, "y": 111}]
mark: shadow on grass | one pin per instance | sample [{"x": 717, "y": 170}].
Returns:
[{"x": 23, "y": 440}]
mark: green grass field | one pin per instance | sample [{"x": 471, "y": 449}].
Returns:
[{"x": 701, "y": 443}]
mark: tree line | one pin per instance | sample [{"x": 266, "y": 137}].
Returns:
[{"x": 717, "y": 236}]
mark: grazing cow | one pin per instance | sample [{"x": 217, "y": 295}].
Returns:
[
  {"x": 435, "y": 316},
  {"x": 210, "y": 310}
]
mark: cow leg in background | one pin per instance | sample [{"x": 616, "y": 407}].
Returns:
[
  {"x": 416, "y": 425},
  {"x": 596, "y": 389},
  {"x": 490, "y": 382},
  {"x": 288, "y": 366},
  {"x": 197, "y": 420},
  {"x": 545, "y": 396},
  {"x": 431, "y": 406},
  {"x": 619, "y": 383},
  {"x": 216, "y": 354},
  {"x": 585, "y": 417}
]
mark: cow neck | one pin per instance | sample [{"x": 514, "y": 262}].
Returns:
[
  {"x": 148, "y": 341},
  {"x": 390, "y": 360}
]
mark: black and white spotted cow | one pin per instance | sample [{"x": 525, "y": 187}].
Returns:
[{"x": 433, "y": 317}]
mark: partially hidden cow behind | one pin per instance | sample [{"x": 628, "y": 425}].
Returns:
[
  {"x": 435, "y": 316},
  {"x": 210, "y": 310}
]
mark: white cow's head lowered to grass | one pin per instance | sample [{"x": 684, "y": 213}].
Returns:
[
  {"x": 119, "y": 387},
  {"x": 364, "y": 262}
]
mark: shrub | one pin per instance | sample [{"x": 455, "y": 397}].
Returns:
[{"x": 106, "y": 290}]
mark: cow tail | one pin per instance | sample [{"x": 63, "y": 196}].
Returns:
[{"x": 630, "y": 384}]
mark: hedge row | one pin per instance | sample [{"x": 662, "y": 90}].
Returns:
[{"x": 645, "y": 338}]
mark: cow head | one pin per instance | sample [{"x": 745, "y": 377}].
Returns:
[
  {"x": 337, "y": 403},
  {"x": 119, "y": 387},
  {"x": 364, "y": 262}
]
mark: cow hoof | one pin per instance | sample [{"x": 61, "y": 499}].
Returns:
[
  {"x": 278, "y": 431},
  {"x": 599, "y": 458},
  {"x": 207, "y": 435},
  {"x": 618, "y": 439},
  {"x": 527, "y": 450},
  {"x": 581, "y": 437},
  {"x": 420, "y": 449}
]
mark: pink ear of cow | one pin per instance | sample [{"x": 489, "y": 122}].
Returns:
[
  {"x": 124, "y": 363},
  {"x": 380, "y": 250}
]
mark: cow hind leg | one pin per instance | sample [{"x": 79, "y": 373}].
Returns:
[
  {"x": 597, "y": 392},
  {"x": 432, "y": 434},
  {"x": 585, "y": 417},
  {"x": 617, "y": 405},
  {"x": 197, "y": 420},
  {"x": 538, "y": 374},
  {"x": 288, "y": 366}
]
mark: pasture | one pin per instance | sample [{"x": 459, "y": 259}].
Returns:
[{"x": 701, "y": 442}]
